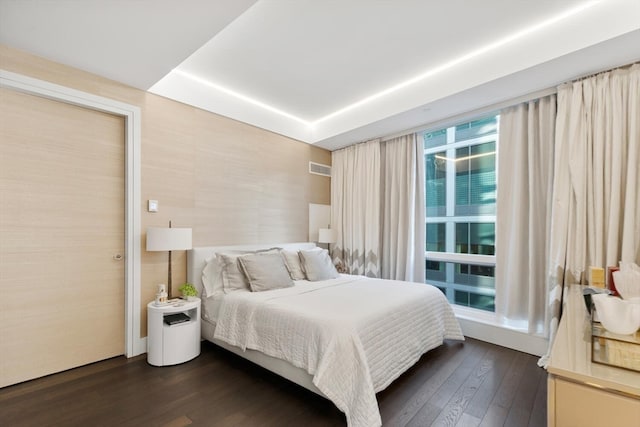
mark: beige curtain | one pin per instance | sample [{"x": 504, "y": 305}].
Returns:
[
  {"x": 355, "y": 208},
  {"x": 377, "y": 208},
  {"x": 595, "y": 218},
  {"x": 403, "y": 229},
  {"x": 525, "y": 160}
]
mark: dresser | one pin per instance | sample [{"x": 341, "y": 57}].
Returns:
[{"x": 581, "y": 393}]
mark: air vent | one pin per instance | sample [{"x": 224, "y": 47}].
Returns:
[{"x": 319, "y": 169}]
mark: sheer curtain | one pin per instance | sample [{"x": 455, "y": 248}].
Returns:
[
  {"x": 525, "y": 172},
  {"x": 403, "y": 230},
  {"x": 355, "y": 207},
  {"x": 595, "y": 218}
]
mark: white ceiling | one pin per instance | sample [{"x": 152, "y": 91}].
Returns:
[{"x": 331, "y": 72}]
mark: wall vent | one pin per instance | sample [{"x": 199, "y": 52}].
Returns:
[{"x": 319, "y": 169}]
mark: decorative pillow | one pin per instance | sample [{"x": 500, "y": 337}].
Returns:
[
  {"x": 265, "y": 271},
  {"x": 212, "y": 278},
  {"x": 317, "y": 265},
  {"x": 292, "y": 262},
  {"x": 233, "y": 278}
]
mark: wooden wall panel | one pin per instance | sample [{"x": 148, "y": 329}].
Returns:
[{"x": 231, "y": 182}]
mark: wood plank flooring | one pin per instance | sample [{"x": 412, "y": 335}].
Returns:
[{"x": 458, "y": 384}]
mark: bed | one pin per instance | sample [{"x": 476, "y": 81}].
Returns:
[{"x": 344, "y": 337}]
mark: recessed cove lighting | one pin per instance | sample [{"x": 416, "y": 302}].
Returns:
[
  {"x": 478, "y": 52},
  {"x": 466, "y": 57},
  {"x": 241, "y": 96}
]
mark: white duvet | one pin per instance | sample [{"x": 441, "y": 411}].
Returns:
[{"x": 354, "y": 335}]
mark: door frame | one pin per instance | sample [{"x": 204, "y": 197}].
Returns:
[{"x": 134, "y": 344}]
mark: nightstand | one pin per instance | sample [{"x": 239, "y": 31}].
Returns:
[{"x": 177, "y": 343}]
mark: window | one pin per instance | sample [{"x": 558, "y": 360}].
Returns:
[{"x": 460, "y": 207}]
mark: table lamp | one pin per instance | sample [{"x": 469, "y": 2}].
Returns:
[
  {"x": 168, "y": 239},
  {"x": 328, "y": 236}
]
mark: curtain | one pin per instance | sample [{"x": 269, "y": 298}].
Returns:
[
  {"x": 377, "y": 208},
  {"x": 595, "y": 218},
  {"x": 355, "y": 208},
  {"x": 403, "y": 229},
  {"x": 523, "y": 206}
]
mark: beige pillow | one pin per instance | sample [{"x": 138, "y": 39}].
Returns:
[
  {"x": 292, "y": 262},
  {"x": 233, "y": 278},
  {"x": 317, "y": 265},
  {"x": 265, "y": 271}
]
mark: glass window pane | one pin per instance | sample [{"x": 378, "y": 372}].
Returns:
[
  {"x": 461, "y": 298},
  {"x": 482, "y": 238},
  {"x": 476, "y": 179},
  {"x": 479, "y": 276},
  {"x": 462, "y": 176},
  {"x": 436, "y": 184},
  {"x": 482, "y": 302},
  {"x": 435, "y": 138},
  {"x": 466, "y": 279},
  {"x": 475, "y": 238},
  {"x": 462, "y": 237},
  {"x": 435, "y": 237},
  {"x": 435, "y": 271},
  {"x": 482, "y": 179}
]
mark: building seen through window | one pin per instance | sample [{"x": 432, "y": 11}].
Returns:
[{"x": 460, "y": 207}]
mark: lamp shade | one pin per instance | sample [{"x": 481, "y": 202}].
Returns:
[
  {"x": 327, "y": 235},
  {"x": 168, "y": 239}
]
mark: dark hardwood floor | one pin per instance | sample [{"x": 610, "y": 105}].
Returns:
[{"x": 458, "y": 384}]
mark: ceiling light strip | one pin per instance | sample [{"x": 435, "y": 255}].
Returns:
[
  {"x": 473, "y": 54},
  {"x": 240, "y": 96}
]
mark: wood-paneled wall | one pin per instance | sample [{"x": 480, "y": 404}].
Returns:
[{"x": 232, "y": 182}]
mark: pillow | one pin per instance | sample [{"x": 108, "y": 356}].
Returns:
[
  {"x": 265, "y": 271},
  {"x": 212, "y": 278},
  {"x": 317, "y": 265},
  {"x": 294, "y": 267},
  {"x": 233, "y": 278}
]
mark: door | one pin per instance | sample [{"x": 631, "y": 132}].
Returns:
[{"x": 62, "y": 236}]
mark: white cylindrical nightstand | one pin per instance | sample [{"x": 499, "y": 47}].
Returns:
[{"x": 172, "y": 344}]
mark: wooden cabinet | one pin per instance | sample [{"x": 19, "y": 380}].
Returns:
[
  {"x": 581, "y": 393},
  {"x": 582, "y": 405}
]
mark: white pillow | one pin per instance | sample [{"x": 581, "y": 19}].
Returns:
[
  {"x": 212, "y": 278},
  {"x": 265, "y": 271},
  {"x": 317, "y": 265}
]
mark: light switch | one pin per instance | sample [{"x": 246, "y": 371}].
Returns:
[{"x": 152, "y": 206}]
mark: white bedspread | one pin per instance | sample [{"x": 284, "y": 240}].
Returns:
[{"x": 354, "y": 335}]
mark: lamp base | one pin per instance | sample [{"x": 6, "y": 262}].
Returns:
[{"x": 169, "y": 295}]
